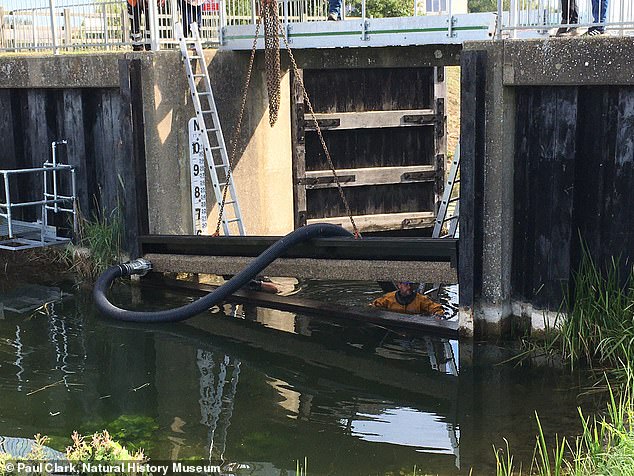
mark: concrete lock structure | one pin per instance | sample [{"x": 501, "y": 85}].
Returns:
[{"x": 545, "y": 145}]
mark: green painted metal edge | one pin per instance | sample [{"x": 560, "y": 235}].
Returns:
[{"x": 369, "y": 32}]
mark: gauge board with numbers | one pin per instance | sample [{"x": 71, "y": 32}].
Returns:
[{"x": 197, "y": 175}]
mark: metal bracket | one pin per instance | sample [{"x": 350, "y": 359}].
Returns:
[
  {"x": 451, "y": 22},
  {"x": 222, "y": 31},
  {"x": 365, "y": 27},
  {"x": 289, "y": 28}
]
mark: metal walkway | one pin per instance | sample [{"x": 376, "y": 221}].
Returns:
[{"x": 375, "y": 32}]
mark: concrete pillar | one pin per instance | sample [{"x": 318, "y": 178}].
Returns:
[
  {"x": 495, "y": 305},
  {"x": 262, "y": 172},
  {"x": 487, "y": 146}
]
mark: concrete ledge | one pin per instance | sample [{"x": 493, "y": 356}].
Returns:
[
  {"x": 93, "y": 70},
  {"x": 569, "y": 61},
  {"x": 351, "y": 270},
  {"x": 541, "y": 320}
]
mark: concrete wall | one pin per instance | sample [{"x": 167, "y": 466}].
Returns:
[
  {"x": 489, "y": 150},
  {"x": 263, "y": 168}
]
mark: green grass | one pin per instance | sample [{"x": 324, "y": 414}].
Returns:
[
  {"x": 99, "y": 245},
  {"x": 598, "y": 332},
  {"x": 605, "y": 447}
]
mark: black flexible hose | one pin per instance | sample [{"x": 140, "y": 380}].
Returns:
[{"x": 189, "y": 310}]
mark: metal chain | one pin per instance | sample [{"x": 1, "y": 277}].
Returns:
[
  {"x": 321, "y": 137},
  {"x": 236, "y": 132},
  {"x": 272, "y": 56}
]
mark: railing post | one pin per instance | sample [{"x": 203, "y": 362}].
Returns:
[
  {"x": 285, "y": 6},
  {"x": 154, "y": 30},
  {"x": 1, "y": 27},
  {"x": 499, "y": 20},
  {"x": 174, "y": 12},
  {"x": 223, "y": 22},
  {"x": 364, "y": 21},
  {"x": 34, "y": 28},
  {"x": 513, "y": 20},
  {"x": 449, "y": 19},
  {"x": 253, "y": 19},
  {"x": 51, "y": 5},
  {"x": 67, "y": 28},
  {"x": 7, "y": 197},
  {"x": 622, "y": 18}
]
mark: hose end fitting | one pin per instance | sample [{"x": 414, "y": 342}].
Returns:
[{"x": 139, "y": 266}]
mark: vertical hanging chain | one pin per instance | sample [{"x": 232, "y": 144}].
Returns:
[
  {"x": 272, "y": 56},
  {"x": 236, "y": 133},
  {"x": 272, "y": 26}
]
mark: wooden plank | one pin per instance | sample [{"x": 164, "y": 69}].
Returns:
[
  {"x": 7, "y": 151},
  {"x": 382, "y": 222},
  {"x": 298, "y": 149},
  {"x": 521, "y": 211},
  {"x": 426, "y": 324},
  {"x": 440, "y": 124},
  {"x": 623, "y": 222},
  {"x": 370, "y": 176},
  {"x": 472, "y": 114},
  {"x": 360, "y": 148},
  {"x": 370, "y": 119},
  {"x": 128, "y": 167},
  {"x": 370, "y": 248},
  {"x": 138, "y": 138},
  {"x": 406, "y": 197},
  {"x": 369, "y": 89},
  {"x": 333, "y": 269},
  {"x": 74, "y": 133},
  {"x": 563, "y": 166}
]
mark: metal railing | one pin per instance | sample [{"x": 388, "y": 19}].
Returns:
[
  {"x": 18, "y": 234},
  {"x": 61, "y": 25},
  {"x": 64, "y": 25},
  {"x": 528, "y": 18}
]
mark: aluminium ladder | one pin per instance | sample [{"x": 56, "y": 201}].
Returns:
[
  {"x": 209, "y": 123},
  {"x": 447, "y": 199}
]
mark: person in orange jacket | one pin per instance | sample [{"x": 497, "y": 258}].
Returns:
[{"x": 407, "y": 300}]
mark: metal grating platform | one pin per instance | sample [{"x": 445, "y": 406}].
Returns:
[{"x": 28, "y": 235}]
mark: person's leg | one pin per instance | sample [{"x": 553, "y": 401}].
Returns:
[
  {"x": 146, "y": 40},
  {"x": 573, "y": 12},
  {"x": 134, "y": 15},
  {"x": 334, "y": 9},
  {"x": 595, "y": 13},
  {"x": 603, "y": 13},
  {"x": 185, "y": 14}
]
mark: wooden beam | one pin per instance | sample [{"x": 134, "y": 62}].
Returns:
[
  {"x": 372, "y": 248},
  {"x": 383, "y": 222},
  {"x": 426, "y": 324},
  {"x": 298, "y": 149},
  {"x": 371, "y": 119},
  {"x": 370, "y": 176}
]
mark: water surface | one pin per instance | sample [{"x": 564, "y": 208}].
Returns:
[{"x": 266, "y": 388}]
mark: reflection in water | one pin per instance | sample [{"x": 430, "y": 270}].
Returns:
[
  {"x": 18, "y": 357},
  {"x": 216, "y": 405},
  {"x": 269, "y": 388}
]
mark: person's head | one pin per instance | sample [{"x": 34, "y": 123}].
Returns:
[{"x": 406, "y": 287}]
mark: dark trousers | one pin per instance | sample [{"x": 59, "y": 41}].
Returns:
[
  {"x": 134, "y": 14},
  {"x": 569, "y": 12},
  {"x": 191, "y": 14},
  {"x": 599, "y": 13}
]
